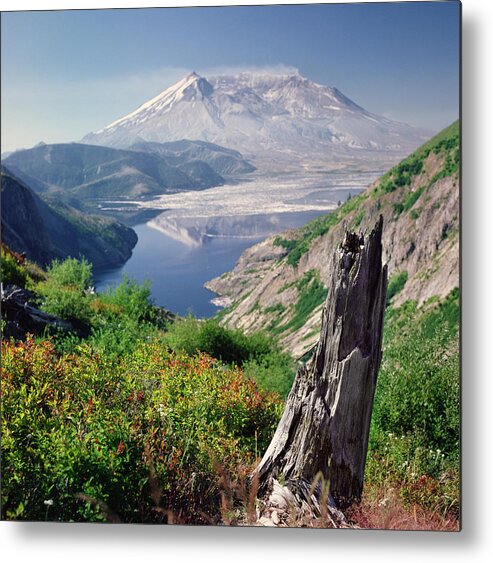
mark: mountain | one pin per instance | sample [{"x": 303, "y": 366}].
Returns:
[
  {"x": 88, "y": 172},
  {"x": 225, "y": 162},
  {"x": 265, "y": 116},
  {"x": 279, "y": 284},
  {"x": 46, "y": 232}
]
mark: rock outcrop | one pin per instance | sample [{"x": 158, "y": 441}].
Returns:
[
  {"x": 271, "y": 284},
  {"x": 56, "y": 231}
]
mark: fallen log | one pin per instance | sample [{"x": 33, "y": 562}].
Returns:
[{"x": 22, "y": 317}]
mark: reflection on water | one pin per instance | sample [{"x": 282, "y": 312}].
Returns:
[
  {"x": 178, "y": 255},
  {"x": 201, "y": 234},
  {"x": 196, "y": 231}
]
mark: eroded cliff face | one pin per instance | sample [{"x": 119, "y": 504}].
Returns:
[
  {"x": 47, "y": 231},
  {"x": 278, "y": 284}
]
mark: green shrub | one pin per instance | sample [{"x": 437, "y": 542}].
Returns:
[
  {"x": 396, "y": 284},
  {"x": 273, "y": 372},
  {"x": 129, "y": 298},
  {"x": 115, "y": 335},
  {"x": 192, "y": 336},
  {"x": 84, "y": 436},
  {"x": 419, "y": 385},
  {"x": 257, "y": 353},
  {"x": 71, "y": 273},
  {"x": 123, "y": 315},
  {"x": 118, "y": 317},
  {"x": 65, "y": 291},
  {"x": 11, "y": 271},
  {"x": 414, "y": 438}
]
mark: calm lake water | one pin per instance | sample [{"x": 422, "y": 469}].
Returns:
[
  {"x": 198, "y": 235},
  {"x": 180, "y": 264}
]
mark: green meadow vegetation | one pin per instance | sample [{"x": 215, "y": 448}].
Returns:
[
  {"x": 395, "y": 183},
  {"x": 138, "y": 421},
  {"x": 414, "y": 439},
  {"x": 143, "y": 420}
]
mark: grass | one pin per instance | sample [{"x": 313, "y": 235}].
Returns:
[
  {"x": 311, "y": 294},
  {"x": 395, "y": 285},
  {"x": 414, "y": 438},
  {"x": 320, "y": 226}
]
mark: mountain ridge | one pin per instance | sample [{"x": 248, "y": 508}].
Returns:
[
  {"x": 261, "y": 114},
  {"x": 278, "y": 284},
  {"x": 45, "y": 231}
]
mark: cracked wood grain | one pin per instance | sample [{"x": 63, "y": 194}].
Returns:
[{"x": 325, "y": 425}]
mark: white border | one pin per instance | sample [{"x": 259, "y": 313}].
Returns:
[{"x": 45, "y": 542}]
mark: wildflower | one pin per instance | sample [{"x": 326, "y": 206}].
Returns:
[{"x": 48, "y": 502}]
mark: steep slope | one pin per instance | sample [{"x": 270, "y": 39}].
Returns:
[
  {"x": 90, "y": 172},
  {"x": 45, "y": 232},
  {"x": 279, "y": 283},
  {"x": 267, "y": 117}
]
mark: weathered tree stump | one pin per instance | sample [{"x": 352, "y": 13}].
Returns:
[{"x": 325, "y": 425}]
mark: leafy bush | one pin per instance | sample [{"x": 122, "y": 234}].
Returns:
[
  {"x": 117, "y": 318},
  {"x": 415, "y": 430},
  {"x": 11, "y": 271},
  {"x": 71, "y": 273},
  {"x": 65, "y": 291},
  {"x": 85, "y": 436},
  {"x": 129, "y": 298},
  {"x": 122, "y": 316},
  {"x": 115, "y": 335},
  {"x": 257, "y": 353},
  {"x": 273, "y": 372},
  {"x": 192, "y": 336}
]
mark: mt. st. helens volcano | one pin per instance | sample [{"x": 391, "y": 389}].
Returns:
[{"x": 267, "y": 117}]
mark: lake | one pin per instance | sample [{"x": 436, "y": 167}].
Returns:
[
  {"x": 179, "y": 261},
  {"x": 198, "y": 235}
]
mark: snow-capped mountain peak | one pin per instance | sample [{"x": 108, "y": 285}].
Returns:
[
  {"x": 191, "y": 85},
  {"x": 262, "y": 113}
]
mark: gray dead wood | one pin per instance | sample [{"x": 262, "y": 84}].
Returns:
[
  {"x": 324, "y": 430},
  {"x": 22, "y": 317}
]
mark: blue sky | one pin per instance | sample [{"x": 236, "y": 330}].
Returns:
[{"x": 67, "y": 73}]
